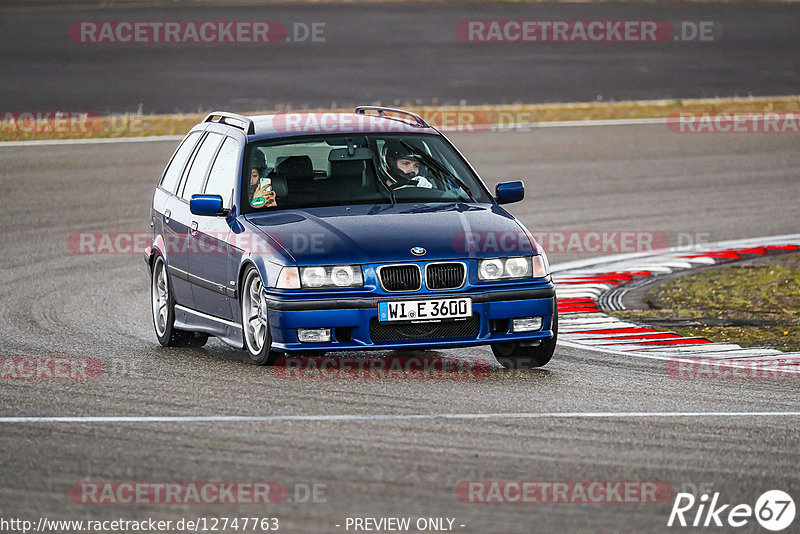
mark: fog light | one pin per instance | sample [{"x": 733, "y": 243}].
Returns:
[
  {"x": 314, "y": 335},
  {"x": 526, "y": 324}
]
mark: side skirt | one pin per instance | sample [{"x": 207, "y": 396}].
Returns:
[{"x": 193, "y": 320}]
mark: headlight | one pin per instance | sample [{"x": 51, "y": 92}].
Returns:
[
  {"x": 504, "y": 268},
  {"x": 332, "y": 276},
  {"x": 313, "y": 276},
  {"x": 343, "y": 275},
  {"x": 490, "y": 269},
  {"x": 541, "y": 267},
  {"x": 517, "y": 267}
]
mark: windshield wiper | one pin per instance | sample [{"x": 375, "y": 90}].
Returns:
[{"x": 431, "y": 162}]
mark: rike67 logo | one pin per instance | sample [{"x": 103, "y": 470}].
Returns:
[{"x": 774, "y": 510}]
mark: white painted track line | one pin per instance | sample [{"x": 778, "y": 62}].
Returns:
[
  {"x": 706, "y": 349},
  {"x": 670, "y": 354},
  {"x": 382, "y": 417},
  {"x": 570, "y": 329},
  {"x": 98, "y": 141},
  {"x": 510, "y": 128},
  {"x": 591, "y": 264}
]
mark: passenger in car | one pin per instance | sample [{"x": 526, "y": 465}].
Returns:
[{"x": 260, "y": 190}]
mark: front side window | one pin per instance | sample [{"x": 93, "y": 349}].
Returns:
[
  {"x": 359, "y": 169},
  {"x": 223, "y": 172}
]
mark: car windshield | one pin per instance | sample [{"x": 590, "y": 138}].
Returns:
[{"x": 356, "y": 169}]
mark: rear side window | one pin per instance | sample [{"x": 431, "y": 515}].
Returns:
[
  {"x": 202, "y": 158},
  {"x": 224, "y": 172},
  {"x": 173, "y": 172}
]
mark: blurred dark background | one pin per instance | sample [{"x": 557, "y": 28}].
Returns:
[{"x": 392, "y": 53}]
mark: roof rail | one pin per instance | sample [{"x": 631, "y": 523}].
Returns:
[
  {"x": 419, "y": 122},
  {"x": 247, "y": 124}
]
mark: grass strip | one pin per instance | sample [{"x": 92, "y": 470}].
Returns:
[{"x": 79, "y": 125}]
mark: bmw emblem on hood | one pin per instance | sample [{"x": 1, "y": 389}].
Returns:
[{"x": 418, "y": 251}]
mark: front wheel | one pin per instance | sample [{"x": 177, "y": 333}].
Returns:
[
  {"x": 255, "y": 327},
  {"x": 517, "y": 356}
]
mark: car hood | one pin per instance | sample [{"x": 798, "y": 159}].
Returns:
[{"x": 387, "y": 233}]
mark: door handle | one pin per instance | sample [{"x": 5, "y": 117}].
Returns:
[
  {"x": 193, "y": 229},
  {"x": 167, "y": 214}
]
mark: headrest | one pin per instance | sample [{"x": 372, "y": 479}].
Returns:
[
  {"x": 346, "y": 167},
  {"x": 279, "y": 184},
  {"x": 296, "y": 168},
  {"x": 257, "y": 160}
]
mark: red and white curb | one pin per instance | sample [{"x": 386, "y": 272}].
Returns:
[{"x": 583, "y": 285}]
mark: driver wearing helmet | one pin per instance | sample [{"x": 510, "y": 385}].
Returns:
[{"x": 401, "y": 167}]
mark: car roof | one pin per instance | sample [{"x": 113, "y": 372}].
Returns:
[{"x": 296, "y": 124}]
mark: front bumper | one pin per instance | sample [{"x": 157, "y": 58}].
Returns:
[{"x": 354, "y": 321}]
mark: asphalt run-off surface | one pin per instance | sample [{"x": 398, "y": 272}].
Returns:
[
  {"x": 383, "y": 447},
  {"x": 394, "y": 53}
]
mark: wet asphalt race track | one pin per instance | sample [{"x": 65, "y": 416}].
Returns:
[
  {"x": 55, "y": 303},
  {"x": 389, "y": 52}
]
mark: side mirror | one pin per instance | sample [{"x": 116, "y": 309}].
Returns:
[
  {"x": 508, "y": 192},
  {"x": 208, "y": 205}
]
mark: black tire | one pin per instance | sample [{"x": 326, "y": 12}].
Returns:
[
  {"x": 164, "y": 326},
  {"x": 263, "y": 354},
  {"x": 195, "y": 340},
  {"x": 516, "y": 356}
]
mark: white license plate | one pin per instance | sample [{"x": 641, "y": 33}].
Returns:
[{"x": 425, "y": 310}]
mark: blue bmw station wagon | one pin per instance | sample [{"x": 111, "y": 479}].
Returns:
[{"x": 315, "y": 232}]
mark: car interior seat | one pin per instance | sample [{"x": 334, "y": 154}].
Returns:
[{"x": 298, "y": 174}]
